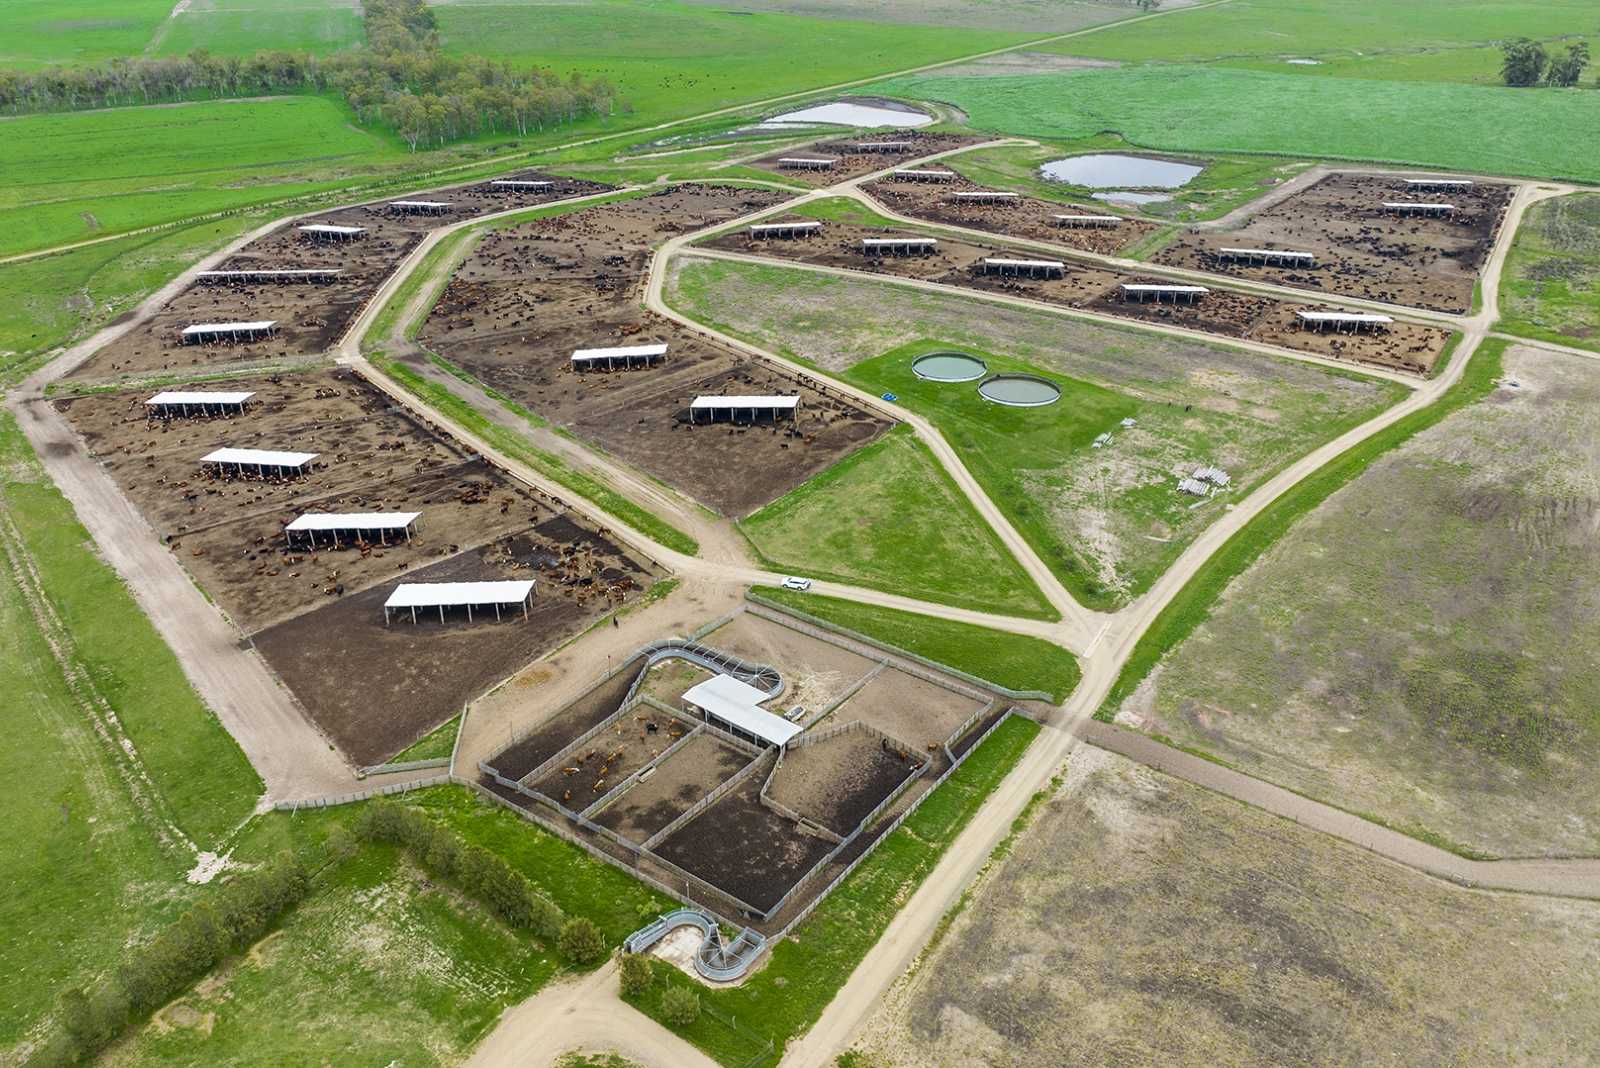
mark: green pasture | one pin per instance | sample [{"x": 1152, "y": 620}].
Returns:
[
  {"x": 41, "y": 33},
  {"x": 1550, "y": 289},
  {"x": 1014, "y": 661},
  {"x": 1208, "y": 109},
  {"x": 889, "y": 517},
  {"x": 244, "y": 27},
  {"x": 1419, "y": 39},
  {"x": 674, "y": 59}
]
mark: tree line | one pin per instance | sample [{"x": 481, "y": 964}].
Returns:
[
  {"x": 1526, "y": 62},
  {"x": 400, "y": 79}
]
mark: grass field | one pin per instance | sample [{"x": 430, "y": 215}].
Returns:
[
  {"x": 1551, "y": 286},
  {"x": 1207, "y": 109},
  {"x": 1417, "y": 647},
  {"x": 1416, "y": 41},
  {"x": 1106, "y": 521},
  {"x": 384, "y": 962},
  {"x": 1014, "y": 661},
  {"x": 1142, "y": 920},
  {"x": 40, "y": 33},
  {"x": 82, "y": 174},
  {"x": 1226, "y": 183},
  {"x": 890, "y": 518},
  {"x": 1060, "y": 16},
  {"x": 244, "y": 27},
  {"x": 99, "y": 798},
  {"x": 785, "y": 998},
  {"x": 673, "y": 59}
]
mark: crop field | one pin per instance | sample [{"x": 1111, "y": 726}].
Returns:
[
  {"x": 1107, "y": 521},
  {"x": 1421, "y": 40},
  {"x": 1200, "y": 110},
  {"x": 1142, "y": 920},
  {"x": 889, "y": 517},
  {"x": 81, "y": 174},
  {"x": 1378, "y": 656},
  {"x": 1551, "y": 286},
  {"x": 672, "y": 59},
  {"x": 1062, "y": 16}
]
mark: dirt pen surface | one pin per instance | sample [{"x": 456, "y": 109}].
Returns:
[
  {"x": 837, "y": 782},
  {"x": 1402, "y": 346},
  {"x": 311, "y": 316},
  {"x": 1423, "y": 645},
  {"x": 1026, "y": 216},
  {"x": 852, "y": 162},
  {"x": 1361, "y": 249},
  {"x": 530, "y": 295},
  {"x": 1145, "y": 921},
  {"x": 376, "y": 688},
  {"x": 748, "y": 853},
  {"x": 704, "y": 763}
]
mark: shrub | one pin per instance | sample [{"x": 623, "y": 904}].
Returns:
[
  {"x": 637, "y": 975},
  {"x": 680, "y": 1007},
  {"x": 581, "y": 941}
]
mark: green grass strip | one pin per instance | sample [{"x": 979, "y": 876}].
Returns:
[
  {"x": 554, "y": 467},
  {"x": 1014, "y": 661},
  {"x": 1192, "y": 605},
  {"x": 439, "y": 742},
  {"x": 783, "y": 1000}
]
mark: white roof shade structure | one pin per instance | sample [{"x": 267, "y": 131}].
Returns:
[
  {"x": 331, "y": 521},
  {"x": 468, "y": 595},
  {"x": 1088, "y": 220},
  {"x": 1032, "y": 268},
  {"x": 773, "y": 403},
  {"x": 421, "y": 205},
  {"x": 1343, "y": 317},
  {"x": 520, "y": 183},
  {"x": 258, "y": 458},
  {"x": 1439, "y": 183},
  {"x": 791, "y": 227},
  {"x": 257, "y": 326},
  {"x": 622, "y": 352},
  {"x": 929, "y": 175},
  {"x": 333, "y": 231},
  {"x": 815, "y": 162},
  {"x": 737, "y": 704},
  {"x": 1407, "y": 205},
  {"x": 984, "y": 194},
  {"x": 174, "y": 398},
  {"x": 882, "y": 146},
  {"x": 898, "y": 242},
  {"x": 270, "y": 274},
  {"x": 1268, "y": 254},
  {"x": 996, "y": 261}
]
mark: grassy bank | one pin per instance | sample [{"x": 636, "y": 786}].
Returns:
[{"x": 1014, "y": 661}]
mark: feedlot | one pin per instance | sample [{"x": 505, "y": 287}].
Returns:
[
  {"x": 875, "y": 735},
  {"x": 852, "y": 163},
  {"x": 1361, "y": 250},
  {"x": 311, "y": 316},
  {"x": 530, "y": 295},
  {"x": 1408, "y": 347},
  {"x": 316, "y": 616},
  {"x": 1026, "y": 216}
]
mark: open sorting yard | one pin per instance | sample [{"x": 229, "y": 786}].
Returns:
[
  {"x": 315, "y": 611},
  {"x": 1019, "y": 216},
  {"x": 529, "y": 296},
  {"x": 309, "y": 313},
  {"x": 1361, "y": 248},
  {"x": 1422, "y": 646},
  {"x": 752, "y": 831},
  {"x": 1142, "y": 920},
  {"x": 1401, "y": 346},
  {"x": 1106, "y": 520},
  {"x": 828, "y": 162}
]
